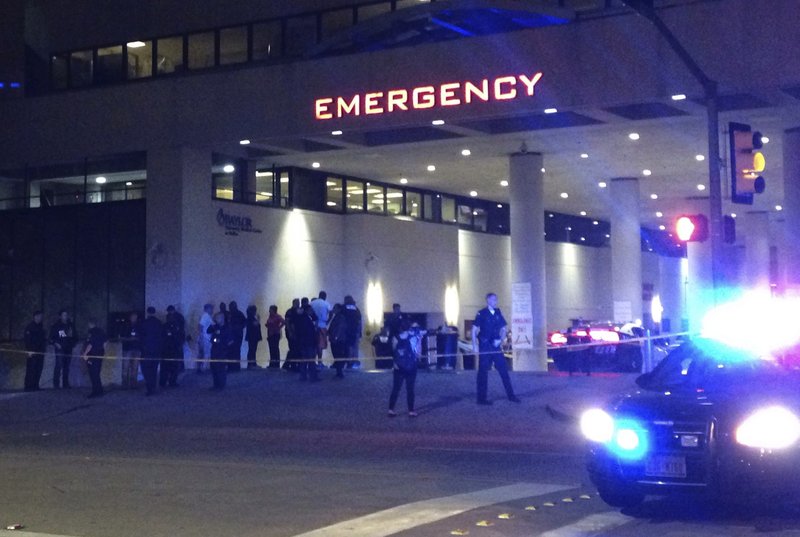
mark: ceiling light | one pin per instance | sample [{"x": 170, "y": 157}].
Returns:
[
  {"x": 595, "y": 223},
  {"x": 634, "y": 136},
  {"x": 584, "y": 155},
  {"x": 646, "y": 172},
  {"x": 602, "y": 184},
  {"x": 336, "y": 133},
  {"x": 229, "y": 168},
  {"x": 608, "y": 236},
  {"x": 263, "y": 174},
  {"x": 699, "y": 158},
  {"x": 466, "y": 152},
  {"x": 583, "y": 239},
  {"x": 137, "y": 44},
  {"x": 315, "y": 164},
  {"x": 551, "y": 215},
  {"x": 473, "y": 193},
  {"x": 659, "y": 214},
  {"x": 244, "y": 142},
  {"x": 679, "y": 97},
  {"x": 499, "y": 205},
  {"x": 431, "y": 168},
  {"x": 564, "y": 195},
  {"x": 437, "y": 122},
  {"x": 733, "y": 215},
  {"x": 403, "y": 181},
  {"x": 778, "y": 207},
  {"x": 129, "y": 183},
  {"x": 100, "y": 180},
  {"x": 662, "y": 227},
  {"x": 701, "y": 187},
  {"x": 544, "y": 170},
  {"x": 331, "y": 204},
  {"x": 568, "y": 228},
  {"x": 503, "y": 183},
  {"x": 653, "y": 196},
  {"x": 765, "y": 139},
  {"x": 583, "y": 213},
  {"x": 550, "y": 110}
]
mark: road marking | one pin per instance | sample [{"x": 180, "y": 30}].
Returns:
[
  {"x": 18, "y": 533},
  {"x": 591, "y": 525},
  {"x": 411, "y": 515}
]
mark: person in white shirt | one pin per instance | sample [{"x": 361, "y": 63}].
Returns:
[
  {"x": 322, "y": 309},
  {"x": 204, "y": 338}
]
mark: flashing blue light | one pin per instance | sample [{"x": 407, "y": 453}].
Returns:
[
  {"x": 2, "y": 85},
  {"x": 629, "y": 441},
  {"x": 15, "y": 85}
]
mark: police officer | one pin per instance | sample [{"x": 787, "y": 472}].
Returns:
[
  {"x": 35, "y": 345},
  {"x": 93, "y": 353},
  {"x": 305, "y": 329},
  {"x": 222, "y": 340},
  {"x": 152, "y": 338},
  {"x": 488, "y": 333},
  {"x": 62, "y": 336},
  {"x": 174, "y": 336},
  {"x": 131, "y": 351}
]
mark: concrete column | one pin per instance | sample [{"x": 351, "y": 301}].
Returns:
[
  {"x": 249, "y": 181},
  {"x": 757, "y": 254},
  {"x": 626, "y": 250},
  {"x": 791, "y": 206},
  {"x": 526, "y": 188}
]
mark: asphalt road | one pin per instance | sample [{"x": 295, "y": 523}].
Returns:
[{"x": 272, "y": 456}]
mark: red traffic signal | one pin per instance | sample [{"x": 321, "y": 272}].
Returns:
[
  {"x": 747, "y": 163},
  {"x": 692, "y": 227}
]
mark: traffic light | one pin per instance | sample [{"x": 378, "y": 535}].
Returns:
[
  {"x": 747, "y": 163},
  {"x": 692, "y": 227}
]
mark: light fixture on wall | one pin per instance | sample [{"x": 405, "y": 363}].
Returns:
[
  {"x": 375, "y": 304},
  {"x": 451, "y": 305}
]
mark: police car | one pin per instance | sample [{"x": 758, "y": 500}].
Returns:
[{"x": 709, "y": 418}]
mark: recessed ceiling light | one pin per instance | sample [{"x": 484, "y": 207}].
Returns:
[
  {"x": 564, "y": 195},
  {"x": 595, "y": 223},
  {"x": 431, "y": 168},
  {"x": 653, "y": 196},
  {"x": 634, "y": 136},
  {"x": 137, "y": 44},
  {"x": 583, "y": 239},
  {"x": 100, "y": 180},
  {"x": 583, "y": 213},
  {"x": 679, "y": 97},
  {"x": 403, "y": 181},
  {"x": 244, "y": 142},
  {"x": 315, "y": 164},
  {"x": 778, "y": 207},
  {"x": 503, "y": 183},
  {"x": 568, "y": 228},
  {"x": 331, "y": 204},
  {"x": 550, "y": 110},
  {"x": 229, "y": 168},
  {"x": 473, "y": 193},
  {"x": 584, "y": 155},
  {"x": 699, "y": 158},
  {"x": 499, "y": 205},
  {"x": 129, "y": 183},
  {"x": 608, "y": 236},
  {"x": 662, "y": 227},
  {"x": 659, "y": 214},
  {"x": 646, "y": 172},
  {"x": 336, "y": 133},
  {"x": 466, "y": 152},
  {"x": 602, "y": 184},
  {"x": 550, "y": 215},
  {"x": 437, "y": 122},
  {"x": 733, "y": 215},
  {"x": 765, "y": 139},
  {"x": 544, "y": 170},
  {"x": 701, "y": 187}
]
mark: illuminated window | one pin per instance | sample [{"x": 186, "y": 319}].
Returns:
[
  {"x": 169, "y": 55},
  {"x": 265, "y": 187},
  {"x": 376, "y": 199},
  {"x": 233, "y": 45},
  {"x": 267, "y": 40},
  {"x": 334, "y": 194},
  {"x": 201, "y": 50},
  {"x": 448, "y": 210},
  {"x": 140, "y": 59},
  {"x": 354, "y": 199},
  {"x": 81, "y": 69},
  {"x": 109, "y": 65},
  {"x": 464, "y": 215},
  {"x": 283, "y": 188},
  {"x": 414, "y": 204},
  {"x": 227, "y": 175},
  {"x": 394, "y": 201},
  {"x": 223, "y": 186}
]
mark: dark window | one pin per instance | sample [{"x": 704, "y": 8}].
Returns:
[
  {"x": 227, "y": 175},
  {"x": 169, "y": 55},
  {"x": 429, "y": 202},
  {"x": 333, "y": 22},
  {"x": 109, "y": 65},
  {"x": 464, "y": 216},
  {"x": 201, "y": 50},
  {"x": 81, "y": 68},
  {"x": 59, "y": 71},
  {"x": 233, "y": 45},
  {"x": 267, "y": 40},
  {"x": 301, "y": 33},
  {"x": 413, "y": 204},
  {"x": 374, "y": 10}
]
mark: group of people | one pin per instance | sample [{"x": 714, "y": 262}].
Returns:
[{"x": 310, "y": 326}]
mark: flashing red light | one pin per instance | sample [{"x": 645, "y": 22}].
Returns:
[
  {"x": 558, "y": 338},
  {"x": 606, "y": 336},
  {"x": 693, "y": 227}
]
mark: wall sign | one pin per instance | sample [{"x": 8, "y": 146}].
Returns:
[
  {"x": 504, "y": 88},
  {"x": 521, "y": 316},
  {"x": 234, "y": 223}
]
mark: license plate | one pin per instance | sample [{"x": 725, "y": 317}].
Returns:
[{"x": 666, "y": 466}]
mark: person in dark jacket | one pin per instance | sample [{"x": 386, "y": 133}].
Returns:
[
  {"x": 93, "y": 353},
  {"x": 222, "y": 339},
  {"x": 237, "y": 323},
  {"x": 172, "y": 356},
  {"x": 152, "y": 339},
  {"x": 337, "y": 335},
  {"x": 353, "y": 316},
  {"x": 291, "y": 356},
  {"x": 62, "y": 336},
  {"x": 305, "y": 329},
  {"x": 405, "y": 368},
  {"x": 274, "y": 324},
  {"x": 252, "y": 335},
  {"x": 35, "y": 346},
  {"x": 488, "y": 333},
  {"x": 131, "y": 351}
]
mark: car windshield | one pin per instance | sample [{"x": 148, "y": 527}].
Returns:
[{"x": 709, "y": 365}]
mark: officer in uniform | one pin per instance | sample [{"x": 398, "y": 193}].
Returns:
[
  {"x": 131, "y": 351},
  {"x": 62, "y": 336},
  {"x": 488, "y": 333},
  {"x": 93, "y": 354},
  {"x": 222, "y": 341},
  {"x": 152, "y": 338},
  {"x": 174, "y": 336},
  {"x": 35, "y": 345}
]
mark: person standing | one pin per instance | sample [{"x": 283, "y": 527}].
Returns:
[
  {"x": 306, "y": 335},
  {"x": 405, "y": 369},
  {"x": 131, "y": 351},
  {"x": 35, "y": 345},
  {"x": 291, "y": 355},
  {"x": 253, "y": 336},
  {"x": 488, "y": 333},
  {"x": 237, "y": 323},
  {"x": 337, "y": 333},
  {"x": 353, "y": 316},
  {"x": 152, "y": 338},
  {"x": 222, "y": 339},
  {"x": 274, "y": 324},
  {"x": 322, "y": 309},
  {"x": 62, "y": 336},
  {"x": 394, "y": 321},
  {"x": 203, "y": 337},
  {"x": 93, "y": 353},
  {"x": 174, "y": 336}
]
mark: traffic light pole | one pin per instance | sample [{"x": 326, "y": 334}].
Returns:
[{"x": 645, "y": 8}]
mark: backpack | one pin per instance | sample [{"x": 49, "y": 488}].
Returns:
[{"x": 404, "y": 357}]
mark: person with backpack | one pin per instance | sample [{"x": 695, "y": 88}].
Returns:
[{"x": 405, "y": 369}]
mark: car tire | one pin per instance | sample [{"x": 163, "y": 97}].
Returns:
[{"x": 617, "y": 496}]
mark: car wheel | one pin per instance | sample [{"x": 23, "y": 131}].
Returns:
[{"x": 616, "y": 496}]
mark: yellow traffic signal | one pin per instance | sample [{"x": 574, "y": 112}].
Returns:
[{"x": 747, "y": 163}]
